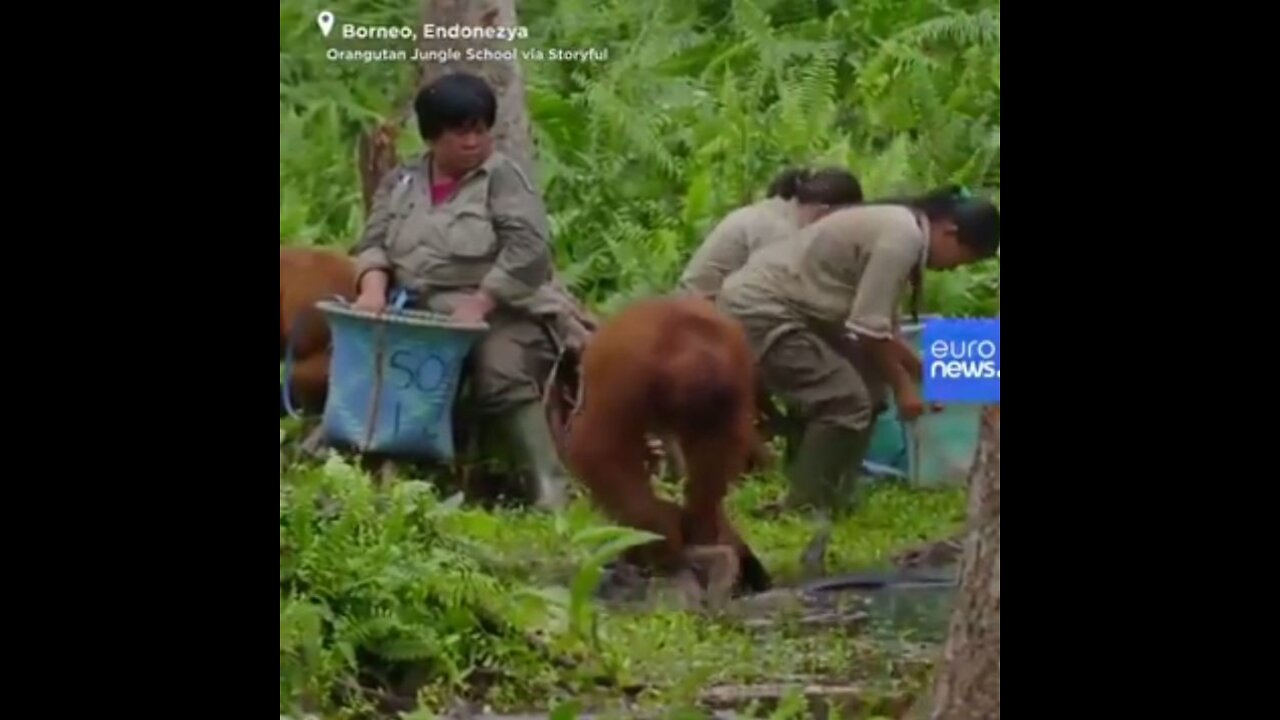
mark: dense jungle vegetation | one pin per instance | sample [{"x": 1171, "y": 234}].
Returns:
[{"x": 699, "y": 104}]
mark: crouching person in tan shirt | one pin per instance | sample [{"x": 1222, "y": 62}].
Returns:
[
  {"x": 795, "y": 198},
  {"x": 848, "y": 271}
]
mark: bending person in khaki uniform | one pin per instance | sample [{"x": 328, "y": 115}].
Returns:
[
  {"x": 852, "y": 266},
  {"x": 795, "y": 199},
  {"x": 465, "y": 233}
]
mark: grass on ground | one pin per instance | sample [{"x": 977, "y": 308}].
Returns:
[{"x": 377, "y": 581}]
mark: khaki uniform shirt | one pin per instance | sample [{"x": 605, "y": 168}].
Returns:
[
  {"x": 849, "y": 269},
  {"x": 491, "y": 235},
  {"x": 740, "y": 234}
]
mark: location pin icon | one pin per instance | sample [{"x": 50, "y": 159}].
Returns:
[{"x": 325, "y": 19}]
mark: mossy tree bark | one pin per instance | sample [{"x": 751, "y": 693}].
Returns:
[{"x": 967, "y": 683}]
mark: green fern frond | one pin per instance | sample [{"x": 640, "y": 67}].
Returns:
[
  {"x": 407, "y": 648},
  {"x": 752, "y": 23},
  {"x": 981, "y": 28}
]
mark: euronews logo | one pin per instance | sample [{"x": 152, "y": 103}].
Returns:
[{"x": 962, "y": 361}]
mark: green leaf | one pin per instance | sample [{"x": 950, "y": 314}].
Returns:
[
  {"x": 616, "y": 546},
  {"x": 607, "y": 533}
]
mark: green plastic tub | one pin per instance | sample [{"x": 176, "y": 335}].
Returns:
[{"x": 936, "y": 451}]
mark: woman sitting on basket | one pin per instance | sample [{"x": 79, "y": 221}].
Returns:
[{"x": 464, "y": 232}]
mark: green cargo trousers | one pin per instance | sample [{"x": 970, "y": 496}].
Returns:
[
  {"x": 510, "y": 363},
  {"x": 833, "y": 388}
]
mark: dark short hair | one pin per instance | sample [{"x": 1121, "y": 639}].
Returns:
[
  {"x": 977, "y": 219},
  {"x": 824, "y": 186},
  {"x": 454, "y": 101}
]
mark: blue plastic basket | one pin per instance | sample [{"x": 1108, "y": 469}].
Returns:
[
  {"x": 938, "y": 450},
  {"x": 393, "y": 380}
]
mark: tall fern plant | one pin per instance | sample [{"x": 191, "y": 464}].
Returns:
[{"x": 699, "y": 104}]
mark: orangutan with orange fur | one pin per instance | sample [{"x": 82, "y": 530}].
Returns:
[
  {"x": 674, "y": 367},
  {"x": 307, "y": 276}
]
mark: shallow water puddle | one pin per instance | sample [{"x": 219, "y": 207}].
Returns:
[
  {"x": 921, "y": 611},
  {"x": 909, "y": 609}
]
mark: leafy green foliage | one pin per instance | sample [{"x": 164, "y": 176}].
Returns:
[
  {"x": 381, "y": 585},
  {"x": 697, "y": 107},
  {"x": 377, "y": 584},
  {"x": 371, "y": 589},
  {"x": 324, "y": 106}
]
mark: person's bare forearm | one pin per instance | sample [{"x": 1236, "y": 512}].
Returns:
[
  {"x": 373, "y": 282},
  {"x": 905, "y": 390},
  {"x": 885, "y": 353},
  {"x": 909, "y": 360}
]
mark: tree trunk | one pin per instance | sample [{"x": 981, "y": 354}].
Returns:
[
  {"x": 512, "y": 132},
  {"x": 967, "y": 684},
  {"x": 376, "y": 156}
]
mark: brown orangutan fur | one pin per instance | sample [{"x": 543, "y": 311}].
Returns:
[
  {"x": 674, "y": 367},
  {"x": 307, "y": 276}
]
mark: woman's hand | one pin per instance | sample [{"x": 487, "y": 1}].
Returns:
[
  {"x": 913, "y": 407},
  {"x": 371, "y": 301},
  {"x": 372, "y": 292},
  {"x": 474, "y": 308},
  {"x": 910, "y": 405}
]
